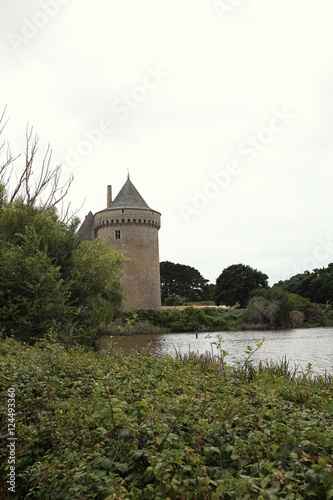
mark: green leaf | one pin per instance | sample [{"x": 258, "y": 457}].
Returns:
[
  {"x": 136, "y": 454},
  {"x": 329, "y": 408},
  {"x": 107, "y": 464},
  {"x": 122, "y": 467}
]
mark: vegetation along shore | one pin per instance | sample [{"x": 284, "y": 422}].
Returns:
[
  {"x": 108, "y": 426},
  {"x": 269, "y": 309}
]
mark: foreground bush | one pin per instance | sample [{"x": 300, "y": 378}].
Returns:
[{"x": 92, "y": 425}]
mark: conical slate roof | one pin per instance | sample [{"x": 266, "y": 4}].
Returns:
[{"x": 129, "y": 197}]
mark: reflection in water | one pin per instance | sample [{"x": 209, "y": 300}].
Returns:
[{"x": 300, "y": 346}]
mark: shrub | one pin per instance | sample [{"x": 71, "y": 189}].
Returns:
[
  {"x": 189, "y": 319},
  {"x": 51, "y": 281},
  {"x": 174, "y": 300},
  {"x": 269, "y": 308},
  {"x": 297, "y": 319},
  {"x": 313, "y": 313},
  {"x": 94, "y": 425},
  {"x": 276, "y": 308}
]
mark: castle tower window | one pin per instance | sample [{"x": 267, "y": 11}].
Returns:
[
  {"x": 122, "y": 211},
  {"x": 117, "y": 234}
]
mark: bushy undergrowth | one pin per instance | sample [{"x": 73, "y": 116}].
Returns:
[
  {"x": 276, "y": 308},
  {"x": 93, "y": 425},
  {"x": 262, "y": 313},
  {"x": 189, "y": 319}
]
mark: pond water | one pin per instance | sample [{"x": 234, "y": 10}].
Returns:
[{"x": 300, "y": 346}]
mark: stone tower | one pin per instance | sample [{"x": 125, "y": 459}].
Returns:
[{"x": 131, "y": 227}]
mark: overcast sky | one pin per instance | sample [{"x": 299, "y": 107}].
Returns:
[{"x": 221, "y": 110}]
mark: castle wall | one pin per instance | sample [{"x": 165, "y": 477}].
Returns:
[{"x": 138, "y": 240}]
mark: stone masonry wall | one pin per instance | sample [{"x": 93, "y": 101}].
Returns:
[{"x": 139, "y": 242}]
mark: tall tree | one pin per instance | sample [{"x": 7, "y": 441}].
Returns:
[
  {"x": 48, "y": 279},
  {"x": 235, "y": 284},
  {"x": 182, "y": 280}
]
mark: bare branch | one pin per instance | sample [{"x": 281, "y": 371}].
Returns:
[
  {"x": 65, "y": 216},
  {"x": 2, "y": 125},
  {"x": 44, "y": 188},
  {"x": 4, "y": 174}
]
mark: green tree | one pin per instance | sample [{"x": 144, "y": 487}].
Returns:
[
  {"x": 185, "y": 281},
  {"x": 312, "y": 313},
  {"x": 58, "y": 239},
  {"x": 48, "y": 279},
  {"x": 235, "y": 284},
  {"x": 97, "y": 289},
  {"x": 33, "y": 295},
  {"x": 316, "y": 285}
]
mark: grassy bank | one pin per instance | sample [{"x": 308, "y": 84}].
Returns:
[
  {"x": 190, "y": 319},
  {"x": 92, "y": 425}
]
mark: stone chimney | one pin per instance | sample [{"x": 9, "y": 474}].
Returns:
[{"x": 109, "y": 196}]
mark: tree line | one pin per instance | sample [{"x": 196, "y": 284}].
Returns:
[
  {"x": 181, "y": 283},
  {"x": 237, "y": 282},
  {"x": 303, "y": 300}
]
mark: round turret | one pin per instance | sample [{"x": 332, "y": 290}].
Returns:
[{"x": 131, "y": 227}]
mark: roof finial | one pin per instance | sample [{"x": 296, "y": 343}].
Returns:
[{"x": 128, "y": 176}]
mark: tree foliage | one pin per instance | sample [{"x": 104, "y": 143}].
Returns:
[
  {"x": 33, "y": 295},
  {"x": 277, "y": 308},
  {"x": 184, "y": 281},
  {"x": 269, "y": 308},
  {"x": 97, "y": 289},
  {"x": 235, "y": 284},
  {"x": 316, "y": 285},
  {"x": 49, "y": 280}
]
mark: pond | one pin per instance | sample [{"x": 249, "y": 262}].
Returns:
[{"x": 300, "y": 346}]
